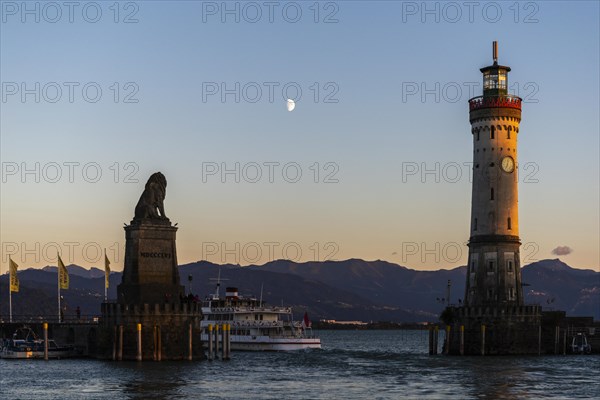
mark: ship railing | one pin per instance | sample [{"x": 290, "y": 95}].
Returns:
[
  {"x": 286, "y": 310},
  {"x": 257, "y": 324}
]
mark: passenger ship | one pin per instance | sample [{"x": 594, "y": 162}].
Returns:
[{"x": 256, "y": 326}]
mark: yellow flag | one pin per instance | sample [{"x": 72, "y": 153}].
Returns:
[
  {"x": 63, "y": 275},
  {"x": 14, "y": 279},
  {"x": 106, "y": 270}
]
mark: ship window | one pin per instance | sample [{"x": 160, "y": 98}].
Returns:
[
  {"x": 492, "y": 130},
  {"x": 509, "y": 223},
  {"x": 492, "y": 194}
]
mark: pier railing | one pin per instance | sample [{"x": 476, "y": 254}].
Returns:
[{"x": 36, "y": 318}]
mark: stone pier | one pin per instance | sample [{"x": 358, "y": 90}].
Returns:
[
  {"x": 493, "y": 330},
  {"x": 165, "y": 331}
]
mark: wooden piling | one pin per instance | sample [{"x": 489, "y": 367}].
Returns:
[
  {"x": 154, "y": 343},
  {"x": 431, "y": 340},
  {"x": 228, "y": 342},
  {"x": 556, "y": 338},
  {"x": 447, "y": 349},
  {"x": 224, "y": 336},
  {"x": 216, "y": 341},
  {"x": 436, "y": 333},
  {"x": 120, "y": 349},
  {"x": 139, "y": 342},
  {"x": 462, "y": 340},
  {"x": 159, "y": 340},
  {"x": 540, "y": 340},
  {"x": 114, "y": 352},
  {"x": 190, "y": 338},
  {"x": 565, "y": 342},
  {"x": 45, "y": 341},
  {"x": 483, "y": 340},
  {"x": 210, "y": 342},
  {"x": 223, "y": 344}
]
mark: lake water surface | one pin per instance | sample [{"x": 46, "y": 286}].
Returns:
[{"x": 351, "y": 365}]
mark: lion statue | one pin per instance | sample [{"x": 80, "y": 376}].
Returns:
[{"x": 151, "y": 200}]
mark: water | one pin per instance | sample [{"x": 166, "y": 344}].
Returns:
[{"x": 351, "y": 365}]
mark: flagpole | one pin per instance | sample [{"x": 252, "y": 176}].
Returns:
[
  {"x": 9, "y": 302},
  {"x": 9, "y": 289},
  {"x": 106, "y": 278},
  {"x": 58, "y": 281}
]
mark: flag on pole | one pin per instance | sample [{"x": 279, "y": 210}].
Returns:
[
  {"x": 106, "y": 270},
  {"x": 63, "y": 275},
  {"x": 14, "y": 279},
  {"x": 306, "y": 322}
]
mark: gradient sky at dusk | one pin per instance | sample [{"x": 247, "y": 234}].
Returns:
[{"x": 375, "y": 131}]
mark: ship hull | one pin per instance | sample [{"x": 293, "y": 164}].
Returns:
[{"x": 265, "y": 343}]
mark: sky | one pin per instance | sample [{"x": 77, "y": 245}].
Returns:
[{"x": 373, "y": 163}]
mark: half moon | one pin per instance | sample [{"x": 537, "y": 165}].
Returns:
[{"x": 291, "y": 104}]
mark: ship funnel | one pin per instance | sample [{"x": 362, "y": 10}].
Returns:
[{"x": 231, "y": 293}]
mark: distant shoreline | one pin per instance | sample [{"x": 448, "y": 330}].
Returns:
[{"x": 320, "y": 325}]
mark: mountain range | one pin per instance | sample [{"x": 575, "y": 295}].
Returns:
[{"x": 342, "y": 290}]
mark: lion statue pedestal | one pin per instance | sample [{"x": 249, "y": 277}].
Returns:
[{"x": 151, "y": 275}]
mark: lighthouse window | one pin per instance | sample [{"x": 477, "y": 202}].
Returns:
[
  {"x": 492, "y": 194},
  {"x": 491, "y": 266},
  {"x": 475, "y": 224},
  {"x": 511, "y": 294},
  {"x": 502, "y": 79},
  {"x": 508, "y": 134},
  {"x": 477, "y": 135},
  {"x": 492, "y": 130},
  {"x": 509, "y": 224},
  {"x": 509, "y": 265}
]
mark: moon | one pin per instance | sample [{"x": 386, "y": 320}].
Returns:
[{"x": 291, "y": 104}]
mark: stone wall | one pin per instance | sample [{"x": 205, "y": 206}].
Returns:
[
  {"x": 165, "y": 331},
  {"x": 500, "y": 330}
]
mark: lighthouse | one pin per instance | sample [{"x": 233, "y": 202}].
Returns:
[
  {"x": 494, "y": 270},
  {"x": 494, "y": 318}
]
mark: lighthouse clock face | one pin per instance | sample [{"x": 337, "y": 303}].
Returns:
[{"x": 508, "y": 164}]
